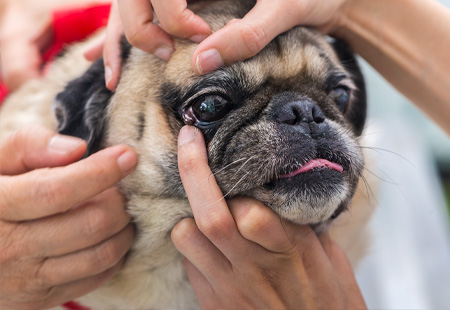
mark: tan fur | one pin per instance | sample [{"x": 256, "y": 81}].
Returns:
[
  {"x": 32, "y": 104},
  {"x": 153, "y": 276}
]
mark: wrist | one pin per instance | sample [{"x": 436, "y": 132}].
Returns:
[{"x": 347, "y": 19}]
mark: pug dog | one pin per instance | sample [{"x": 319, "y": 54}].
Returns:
[{"x": 281, "y": 127}]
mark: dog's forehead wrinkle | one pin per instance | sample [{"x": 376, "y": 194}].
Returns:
[{"x": 310, "y": 54}]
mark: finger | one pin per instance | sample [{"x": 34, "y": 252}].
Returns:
[
  {"x": 261, "y": 225},
  {"x": 202, "y": 289},
  {"x": 96, "y": 220},
  {"x": 36, "y": 147},
  {"x": 190, "y": 241},
  {"x": 58, "y": 295},
  {"x": 95, "y": 49},
  {"x": 111, "y": 48},
  {"x": 210, "y": 210},
  {"x": 344, "y": 271},
  {"x": 338, "y": 258},
  {"x": 88, "y": 262},
  {"x": 242, "y": 39},
  {"x": 137, "y": 20},
  {"x": 42, "y": 193},
  {"x": 176, "y": 19}
]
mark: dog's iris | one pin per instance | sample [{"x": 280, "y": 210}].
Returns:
[
  {"x": 341, "y": 96},
  {"x": 211, "y": 108}
]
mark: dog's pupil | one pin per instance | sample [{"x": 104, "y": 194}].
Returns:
[
  {"x": 341, "y": 96},
  {"x": 209, "y": 105},
  {"x": 211, "y": 108}
]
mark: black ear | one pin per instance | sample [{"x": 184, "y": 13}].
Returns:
[
  {"x": 357, "y": 114},
  {"x": 81, "y": 108}
]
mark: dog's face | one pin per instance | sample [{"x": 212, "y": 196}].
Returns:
[{"x": 280, "y": 127}]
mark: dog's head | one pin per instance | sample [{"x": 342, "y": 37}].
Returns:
[{"x": 280, "y": 127}]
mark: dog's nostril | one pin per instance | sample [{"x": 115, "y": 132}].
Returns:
[
  {"x": 297, "y": 112},
  {"x": 318, "y": 115},
  {"x": 294, "y": 118}
]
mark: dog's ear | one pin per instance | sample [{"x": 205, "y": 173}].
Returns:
[
  {"x": 357, "y": 114},
  {"x": 80, "y": 108}
]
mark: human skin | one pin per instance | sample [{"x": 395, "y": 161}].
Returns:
[
  {"x": 241, "y": 255},
  {"x": 25, "y": 33},
  {"x": 407, "y": 41},
  {"x": 63, "y": 226}
]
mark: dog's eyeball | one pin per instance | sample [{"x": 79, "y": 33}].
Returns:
[
  {"x": 341, "y": 95},
  {"x": 211, "y": 108}
]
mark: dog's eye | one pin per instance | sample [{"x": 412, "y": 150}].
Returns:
[
  {"x": 211, "y": 108},
  {"x": 341, "y": 95}
]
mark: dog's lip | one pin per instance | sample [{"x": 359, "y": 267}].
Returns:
[{"x": 314, "y": 163}]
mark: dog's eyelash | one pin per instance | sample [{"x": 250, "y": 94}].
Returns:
[{"x": 339, "y": 80}]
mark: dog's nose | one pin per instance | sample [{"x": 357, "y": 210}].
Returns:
[{"x": 302, "y": 113}]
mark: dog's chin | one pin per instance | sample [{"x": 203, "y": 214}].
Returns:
[{"x": 312, "y": 197}]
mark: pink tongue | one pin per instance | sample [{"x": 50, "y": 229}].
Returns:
[{"x": 314, "y": 163}]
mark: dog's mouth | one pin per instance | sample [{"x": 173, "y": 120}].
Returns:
[
  {"x": 318, "y": 170},
  {"x": 313, "y": 164}
]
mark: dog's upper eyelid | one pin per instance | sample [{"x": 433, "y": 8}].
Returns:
[
  {"x": 194, "y": 95},
  {"x": 339, "y": 79}
]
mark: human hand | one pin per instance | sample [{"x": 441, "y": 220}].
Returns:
[
  {"x": 242, "y": 255},
  {"x": 63, "y": 230},
  {"x": 142, "y": 32},
  {"x": 238, "y": 40},
  {"x": 25, "y": 32},
  {"x": 243, "y": 38}
]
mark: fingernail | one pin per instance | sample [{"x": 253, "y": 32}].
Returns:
[
  {"x": 198, "y": 38},
  {"x": 208, "y": 61},
  {"x": 108, "y": 74},
  {"x": 187, "y": 135},
  {"x": 127, "y": 161},
  {"x": 164, "y": 52},
  {"x": 64, "y": 144}
]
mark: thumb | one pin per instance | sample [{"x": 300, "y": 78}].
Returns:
[
  {"x": 37, "y": 147},
  {"x": 243, "y": 38}
]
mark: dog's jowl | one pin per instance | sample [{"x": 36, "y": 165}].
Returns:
[{"x": 281, "y": 127}]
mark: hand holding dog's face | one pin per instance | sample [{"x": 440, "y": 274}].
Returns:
[{"x": 279, "y": 127}]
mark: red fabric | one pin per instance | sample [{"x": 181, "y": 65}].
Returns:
[
  {"x": 70, "y": 25},
  {"x": 3, "y": 93},
  {"x": 73, "y": 305},
  {"x": 75, "y": 24}
]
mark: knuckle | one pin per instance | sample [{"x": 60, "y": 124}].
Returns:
[
  {"x": 254, "y": 37},
  {"x": 176, "y": 23},
  {"x": 26, "y": 292},
  {"x": 134, "y": 35},
  {"x": 13, "y": 245},
  {"x": 50, "y": 193},
  {"x": 172, "y": 26},
  {"x": 106, "y": 255},
  {"x": 270, "y": 277},
  {"x": 216, "y": 227},
  {"x": 189, "y": 162},
  {"x": 252, "y": 222},
  {"x": 43, "y": 279},
  {"x": 98, "y": 222},
  {"x": 139, "y": 36},
  {"x": 44, "y": 299},
  {"x": 182, "y": 232}
]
